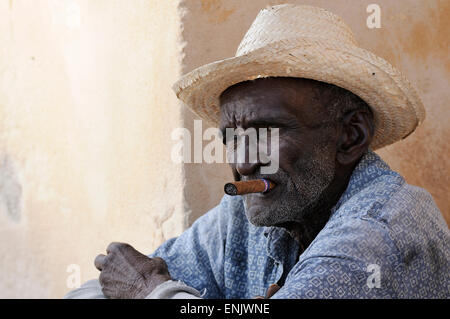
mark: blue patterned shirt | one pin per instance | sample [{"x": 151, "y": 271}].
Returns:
[{"x": 384, "y": 239}]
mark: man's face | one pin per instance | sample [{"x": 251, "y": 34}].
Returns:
[{"x": 307, "y": 145}]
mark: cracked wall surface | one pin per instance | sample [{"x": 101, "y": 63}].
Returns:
[{"x": 86, "y": 112}]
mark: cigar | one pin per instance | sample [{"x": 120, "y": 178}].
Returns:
[{"x": 248, "y": 187}]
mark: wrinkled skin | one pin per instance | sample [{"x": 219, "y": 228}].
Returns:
[
  {"x": 316, "y": 159},
  {"x": 128, "y": 274},
  {"x": 317, "y": 153},
  {"x": 273, "y": 288}
]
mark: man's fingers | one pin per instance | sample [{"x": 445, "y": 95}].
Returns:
[
  {"x": 99, "y": 261},
  {"x": 161, "y": 263},
  {"x": 273, "y": 288},
  {"x": 115, "y": 246}
]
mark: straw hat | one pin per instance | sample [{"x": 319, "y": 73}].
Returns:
[{"x": 308, "y": 42}]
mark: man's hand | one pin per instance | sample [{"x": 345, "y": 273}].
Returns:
[
  {"x": 126, "y": 273},
  {"x": 273, "y": 288}
]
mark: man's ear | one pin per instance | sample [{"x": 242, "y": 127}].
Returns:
[{"x": 356, "y": 132}]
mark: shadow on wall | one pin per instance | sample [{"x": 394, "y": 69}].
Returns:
[{"x": 10, "y": 189}]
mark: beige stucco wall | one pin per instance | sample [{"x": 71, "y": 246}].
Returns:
[{"x": 86, "y": 112}]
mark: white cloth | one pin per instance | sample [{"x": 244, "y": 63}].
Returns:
[{"x": 167, "y": 290}]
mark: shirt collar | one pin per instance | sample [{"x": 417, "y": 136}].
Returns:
[{"x": 369, "y": 168}]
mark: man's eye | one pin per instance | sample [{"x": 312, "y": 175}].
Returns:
[{"x": 269, "y": 129}]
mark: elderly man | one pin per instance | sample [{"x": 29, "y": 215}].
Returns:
[{"x": 339, "y": 222}]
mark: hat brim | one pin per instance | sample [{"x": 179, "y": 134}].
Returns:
[{"x": 397, "y": 108}]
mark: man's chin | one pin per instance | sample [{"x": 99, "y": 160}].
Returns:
[
  {"x": 261, "y": 216},
  {"x": 256, "y": 218},
  {"x": 266, "y": 213}
]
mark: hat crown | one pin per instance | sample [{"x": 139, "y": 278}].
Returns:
[{"x": 289, "y": 21}]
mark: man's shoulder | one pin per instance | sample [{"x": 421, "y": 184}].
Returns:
[
  {"x": 411, "y": 206},
  {"x": 414, "y": 221},
  {"x": 390, "y": 200},
  {"x": 388, "y": 217}
]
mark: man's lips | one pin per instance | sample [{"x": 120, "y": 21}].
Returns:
[
  {"x": 268, "y": 193},
  {"x": 270, "y": 179}
]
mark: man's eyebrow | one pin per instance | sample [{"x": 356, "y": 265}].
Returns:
[
  {"x": 263, "y": 121},
  {"x": 278, "y": 121},
  {"x": 266, "y": 122}
]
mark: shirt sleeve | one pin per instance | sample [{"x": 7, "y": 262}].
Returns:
[
  {"x": 174, "y": 290},
  {"x": 89, "y": 290},
  {"x": 355, "y": 258}
]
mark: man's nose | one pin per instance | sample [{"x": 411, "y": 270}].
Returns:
[
  {"x": 247, "y": 155},
  {"x": 249, "y": 163},
  {"x": 245, "y": 169}
]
